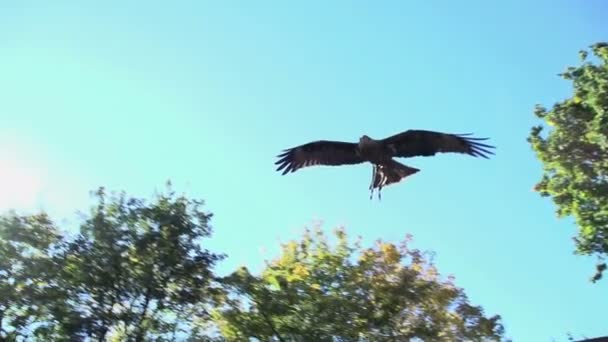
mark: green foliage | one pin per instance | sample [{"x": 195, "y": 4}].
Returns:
[
  {"x": 314, "y": 292},
  {"x": 135, "y": 271},
  {"x": 28, "y": 272},
  {"x": 574, "y": 153},
  {"x": 139, "y": 268}
]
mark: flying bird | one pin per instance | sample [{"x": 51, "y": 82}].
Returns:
[{"x": 380, "y": 153}]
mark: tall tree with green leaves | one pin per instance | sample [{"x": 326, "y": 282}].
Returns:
[
  {"x": 574, "y": 153},
  {"x": 28, "y": 274},
  {"x": 138, "y": 270},
  {"x": 318, "y": 292},
  {"x": 134, "y": 271}
]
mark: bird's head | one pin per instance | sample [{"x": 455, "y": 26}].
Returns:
[{"x": 364, "y": 139}]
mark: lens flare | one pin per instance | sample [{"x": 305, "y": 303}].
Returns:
[{"x": 20, "y": 180}]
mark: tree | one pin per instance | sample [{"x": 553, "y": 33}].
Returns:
[
  {"x": 315, "y": 292},
  {"x": 140, "y": 269},
  {"x": 574, "y": 153},
  {"x": 135, "y": 271},
  {"x": 28, "y": 273}
]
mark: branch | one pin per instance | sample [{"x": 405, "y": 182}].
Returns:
[
  {"x": 140, "y": 330},
  {"x": 1, "y": 322},
  {"x": 269, "y": 321}
]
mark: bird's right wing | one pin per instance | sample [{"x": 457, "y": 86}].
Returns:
[
  {"x": 322, "y": 152},
  {"x": 416, "y": 142}
]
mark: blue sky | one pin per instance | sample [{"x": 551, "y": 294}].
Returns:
[{"x": 128, "y": 95}]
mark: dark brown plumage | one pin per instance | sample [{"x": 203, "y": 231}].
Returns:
[
  {"x": 322, "y": 152},
  {"x": 381, "y": 152},
  {"x": 387, "y": 174}
]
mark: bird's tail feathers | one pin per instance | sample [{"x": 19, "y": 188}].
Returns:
[{"x": 390, "y": 173}]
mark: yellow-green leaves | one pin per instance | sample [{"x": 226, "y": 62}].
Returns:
[
  {"x": 321, "y": 291},
  {"x": 138, "y": 271}
]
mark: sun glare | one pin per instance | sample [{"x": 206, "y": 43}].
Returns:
[{"x": 20, "y": 180}]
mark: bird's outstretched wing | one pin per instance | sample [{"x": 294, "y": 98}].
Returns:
[
  {"x": 322, "y": 152},
  {"x": 413, "y": 143}
]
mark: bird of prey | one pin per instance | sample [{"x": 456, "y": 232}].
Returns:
[{"x": 380, "y": 153}]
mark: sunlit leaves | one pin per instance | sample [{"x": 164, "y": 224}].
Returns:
[
  {"x": 138, "y": 271},
  {"x": 326, "y": 292},
  {"x": 574, "y": 152}
]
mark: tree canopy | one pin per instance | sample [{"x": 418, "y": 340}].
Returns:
[
  {"x": 574, "y": 153},
  {"x": 137, "y": 271},
  {"x": 313, "y": 292},
  {"x": 134, "y": 271}
]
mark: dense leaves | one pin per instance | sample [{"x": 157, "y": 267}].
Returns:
[
  {"x": 28, "y": 273},
  {"x": 574, "y": 153},
  {"x": 138, "y": 268},
  {"x": 314, "y": 292},
  {"x": 136, "y": 271}
]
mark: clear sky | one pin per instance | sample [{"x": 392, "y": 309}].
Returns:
[{"x": 130, "y": 94}]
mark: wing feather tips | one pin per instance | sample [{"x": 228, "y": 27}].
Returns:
[
  {"x": 285, "y": 153},
  {"x": 317, "y": 153},
  {"x": 477, "y": 149},
  {"x": 474, "y": 147},
  {"x": 286, "y": 161},
  {"x": 289, "y": 163},
  {"x": 287, "y": 168}
]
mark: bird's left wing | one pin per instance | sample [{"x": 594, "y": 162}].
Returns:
[
  {"x": 322, "y": 152},
  {"x": 413, "y": 143}
]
